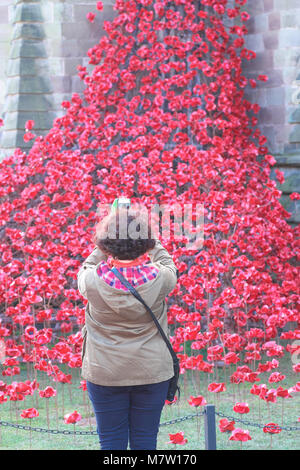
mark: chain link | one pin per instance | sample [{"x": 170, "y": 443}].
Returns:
[
  {"x": 257, "y": 425},
  {"x": 166, "y": 423},
  {"x": 44, "y": 430},
  {"x": 183, "y": 418},
  {"x": 85, "y": 433}
]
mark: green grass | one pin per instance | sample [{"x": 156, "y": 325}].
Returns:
[{"x": 73, "y": 399}]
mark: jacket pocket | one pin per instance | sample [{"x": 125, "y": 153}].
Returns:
[{"x": 84, "y": 335}]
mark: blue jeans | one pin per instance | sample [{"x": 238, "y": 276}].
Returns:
[{"x": 128, "y": 413}]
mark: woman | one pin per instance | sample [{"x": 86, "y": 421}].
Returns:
[{"x": 125, "y": 361}]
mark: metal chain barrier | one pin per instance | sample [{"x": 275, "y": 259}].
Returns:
[
  {"x": 183, "y": 418},
  {"x": 210, "y": 426},
  {"x": 44, "y": 430},
  {"x": 258, "y": 425},
  {"x": 87, "y": 433}
]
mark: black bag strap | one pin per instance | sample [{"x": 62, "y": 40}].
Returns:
[{"x": 137, "y": 295}]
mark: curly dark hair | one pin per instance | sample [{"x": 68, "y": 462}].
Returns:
[{"x": 122, "y": 246}]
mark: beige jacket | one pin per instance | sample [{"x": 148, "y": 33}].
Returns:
[{"x": 122, "y": 345}]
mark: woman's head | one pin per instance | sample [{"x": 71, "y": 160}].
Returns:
[{"x": 124, "y": 234}]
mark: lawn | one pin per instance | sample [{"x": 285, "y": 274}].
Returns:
[{"x": 284, "y": 412}]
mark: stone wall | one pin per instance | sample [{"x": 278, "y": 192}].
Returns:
[
  {"x": 56, "y": 35},
  {"x": 274, "y": 34},
  {"x": 5, "y": 38}
]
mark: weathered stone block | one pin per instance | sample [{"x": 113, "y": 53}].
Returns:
[
  {"x": 63, "y": 12},
  {"x": 17, "y": 120},
  {"x": 53, "y": 47},
  {"x": 62, "y": 85},
  {"x": 28, "y": 31},
  {"x": 28, "y": 12},
  {"x": 289, "y": 37},
  {"x": 80, "y": 49},
  {"x": 270, "y": 133},
  {"x": 28, "y": 103},
  {"x": 275, "y": 78},
  {"x": 52, "y": 30},
  {"x": 294, "y": 117},
  {"x": 275, "y": 97},
  {"x": 261, "y": 22},
  {"x": 295, "y": 134},
  {"x": 70, "y": 66},
  {"x": 270, "y": 40},
  {"x": 289, "y": 20},
  {"x": 268, "y": 5},
  {"x": 27, "y": 66},
  {"x": 5, "y": 32},
  {"x": 71, "y": 48},
  {"x": 4, "y": 49},
  {"x": 274, "y": 20},
  {"x": 3, "y": 14},
  {"x": 262, "y": 62},
  {"x": 27, "y": 49},
  {"x": 258, "y": 7},
  {"x": 47, "y": 11},
  {"x": 286, "y": 4},
  {"x": 81, "y": 10},
  {"x": 272, "y": 115},
  {"x": 255, "y": 42},
  {"x": 77, "y": 85},
  {"x": 27, "y": 1},
  {"x": 11, "y": 140},
  {"x": 293, "y": 207},
  {"x": 56, "y": 66},
  {"x": 292, "y": 180},
  {"x": 29, "y": 85},
  {"x": 286, "y": 57},
  {"x": 82, "y": 30},
  {"x": 291, "y": 158}
]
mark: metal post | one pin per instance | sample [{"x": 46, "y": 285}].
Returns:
[{"x": 210, "y": 428}]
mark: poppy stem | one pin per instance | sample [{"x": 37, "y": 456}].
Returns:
[
  {"x": 86, "y": 406},
  {"x": 56, "y": 410},
  {"x": 16, "y": 411},
  {"x": 36, "y": 395},
  {"x": 282, "y": 410},
  {"x": 89, "y": 410},
  {"x": 207, "y": 380},
  {"x": 185, "y": 385},
  {"x": 63, "y": 399},
  {"x": 70, "y": 392},
  {"x": 10, "y": 410},
  {"x": 198, "y": 427},
  {"x": 47, "y": 412}
]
